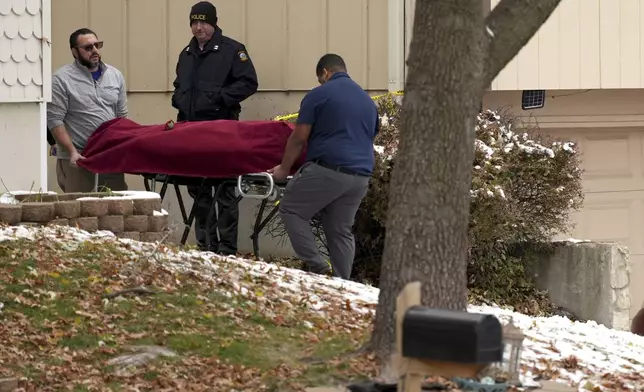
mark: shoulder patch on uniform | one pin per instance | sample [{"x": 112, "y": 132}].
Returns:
[{"x": 242, "y": 55}]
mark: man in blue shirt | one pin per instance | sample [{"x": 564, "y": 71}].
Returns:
[{"x": 337, "y": 122}]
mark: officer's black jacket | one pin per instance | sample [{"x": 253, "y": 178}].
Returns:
[{"x": 210, "y": 84}]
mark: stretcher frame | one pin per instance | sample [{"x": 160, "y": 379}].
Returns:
[{"x": 258, "y": 186}]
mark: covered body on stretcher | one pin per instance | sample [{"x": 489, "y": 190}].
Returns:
[
  {"x": 205, "y": 149},
  {"x": 196, "y": 153}
]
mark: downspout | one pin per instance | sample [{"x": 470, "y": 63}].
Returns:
[
  {"x": 396, "y": 45},
  {"x": 45, "y": 14},
  {"x": 44, "y": 151}
]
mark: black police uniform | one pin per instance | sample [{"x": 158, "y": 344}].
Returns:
[{"x": 210, "y": 85}]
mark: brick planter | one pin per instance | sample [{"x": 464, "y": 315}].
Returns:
[
  {"x": 157, "y": 223},
  {"x": 93, "y": 207},
  {"x": 146, "y": 206},
  {"x": 59, "y": 222},
  {"x": 43, "y": 212},
  {"x": 67, "y": 209},
  {"x": 119, "y": 206},
  {"x": 87, "y": 223},
  {"x": 113, "y": 223},
  {"x": 136, "y": 223},
  {"x": 152, "y": 236},
  {"x": 132, "y": 215},
  {"x": 132, "y": 235},
  {"x": 10, "y": 213}
]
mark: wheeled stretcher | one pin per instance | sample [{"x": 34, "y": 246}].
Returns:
[
  {"x": 203, "y": 154},
  {"x": 258, "y": 186}
]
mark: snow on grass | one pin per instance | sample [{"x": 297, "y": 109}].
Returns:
[{"x": 580, "y": 354}]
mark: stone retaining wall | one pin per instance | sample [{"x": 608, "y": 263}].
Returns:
[
  {"x": 590, "y": 279},
  {"x": 134, "y": 215}
]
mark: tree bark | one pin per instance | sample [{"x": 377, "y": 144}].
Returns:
[
  {"x": 450, "y": 66},
  {"x": 429, "y": 197},
  {"x": 512, "y": 23}
]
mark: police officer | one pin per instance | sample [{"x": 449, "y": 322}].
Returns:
[{"x": 214, "y": 74}]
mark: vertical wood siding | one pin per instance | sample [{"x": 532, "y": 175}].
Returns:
[{"x": 285, "y": 38}]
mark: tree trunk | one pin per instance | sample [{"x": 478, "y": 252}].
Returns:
[
  {"x": 454, "y": 55},
  {"x": 429, "y": 198}
]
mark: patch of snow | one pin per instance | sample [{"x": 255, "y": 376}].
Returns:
[
  {"x": 503, "y": 139},
  {"x": 499, "y": 191},
  {"x": 70, "y": 233},
  {"x": 489, "y": 31},
  {"x": 380, "y": 150},
  {"x": 575, "y": 240},
  {"x": 160, "y": 213},
  {"x": 138, "y": 194},
  {"x": 88, "y": 198},
  {"x": 22, "y": 193},
  {"x": 8, "y": 198},
  {"x": 115, "y": 198},
  {"x": 598, "y": 350},
  {"x": 487, "y": 150},
  {"x": 568, "y": 146}
]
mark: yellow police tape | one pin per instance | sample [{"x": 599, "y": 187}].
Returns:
[{"x": 292, "y": 116}]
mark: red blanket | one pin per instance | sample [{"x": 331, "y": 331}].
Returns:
[{"x": 214, "y": 149}]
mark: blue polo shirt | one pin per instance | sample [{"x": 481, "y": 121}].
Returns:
[{"x": 344, "y": 122}]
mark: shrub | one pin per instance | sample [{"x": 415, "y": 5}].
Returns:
[{"x": 524, "y": 186}]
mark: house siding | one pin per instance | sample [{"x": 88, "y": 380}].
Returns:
[
  {"x": 285, "y": 38},
  {"x": 24, "y": 85},
  {"x": 21, "y": 150},
  {"x": 21, "y": 51},
  {"x": 585, "y": 44}
]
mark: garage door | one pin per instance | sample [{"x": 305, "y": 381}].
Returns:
[{"x": 613, "y": 211}]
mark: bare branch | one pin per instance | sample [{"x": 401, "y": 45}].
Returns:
[{"x": 510, "y": 26}]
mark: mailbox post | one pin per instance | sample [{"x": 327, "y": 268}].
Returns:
[{"x": 442, "y": 342}]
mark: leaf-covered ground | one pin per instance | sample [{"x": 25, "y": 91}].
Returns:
[
  {"x": 63, "y": 324},
  {"x": 193, "y": 322}
]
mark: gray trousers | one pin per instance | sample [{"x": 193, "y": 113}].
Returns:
[
  {"x": 336, "y": 196},
  {"x": 76, "y": 179}
]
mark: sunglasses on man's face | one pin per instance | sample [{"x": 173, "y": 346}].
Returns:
[{"x": 89, "y": 47}]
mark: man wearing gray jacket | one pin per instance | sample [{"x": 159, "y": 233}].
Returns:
[{"x": 85, "y": 94}]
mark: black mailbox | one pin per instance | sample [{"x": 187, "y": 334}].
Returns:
[{"x": 451, "y": 336}]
